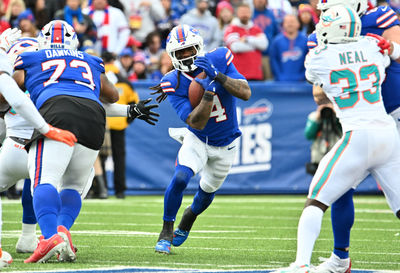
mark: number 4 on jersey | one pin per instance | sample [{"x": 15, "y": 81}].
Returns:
[{"x": 218, "y": 111}]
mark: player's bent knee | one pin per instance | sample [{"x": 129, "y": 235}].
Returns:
[
  {"x": 316, "y": 203},
  {"x": 209, "y": 187}
]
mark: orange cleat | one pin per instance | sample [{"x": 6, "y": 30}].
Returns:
[
  {"x": 68, "y": 254},
  {"x": 47, "y": 249}
]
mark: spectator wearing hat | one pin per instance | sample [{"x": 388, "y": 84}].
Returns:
[
  {"x": 112, "y": 27},
  {"x": 125, "y": 63},
  {"x": 224, "y": 14},
  {"x": 83, "y": 25},
  {"x": 143, "y": 15},
  {"x": 264, "y": 18},
  {"x": 139, "y": 67},
  {"x": 202, "y": 19},
  {"x": 307, "y": 18},
  {"x": 288, "y": 52},
  {"x": 15, "y": 7},
  {"x": 26, "y": 22},
  {"x": 247, "y": 42}
]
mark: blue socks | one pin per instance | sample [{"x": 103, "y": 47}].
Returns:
[
  {"x": 71, "y": 204},
  {"x": 174, "y": 193},
  {"x": 47, "y": 203},
  {"x": 201, "y": 201},
  {"x": 342, "y": 216},
  {"x": 28, "y": 214}
]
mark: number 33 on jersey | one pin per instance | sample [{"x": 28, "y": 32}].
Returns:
[
  {"x": 48, "y": 72},
  {"x": 351, "y": 76}
]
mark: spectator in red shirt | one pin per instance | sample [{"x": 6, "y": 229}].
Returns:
[{"x": 246, "y": 41}]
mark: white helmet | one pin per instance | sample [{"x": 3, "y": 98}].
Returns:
[
  {"x": 22, "y": 45},
  {"x": 181, "y": 37},
  {"x": 338, "y": 24},
  {"x": 360, "y": 6},
  {"x": 58, "y": 34}
]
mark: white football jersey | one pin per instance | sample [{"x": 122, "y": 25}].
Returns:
[
  {"x": 17, "y": 126},
  {"x": 351, "y": 76},
  {"x": 5, "y": 65}
]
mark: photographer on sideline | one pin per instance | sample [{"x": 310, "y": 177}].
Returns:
[{"x": 324, "y": 129}]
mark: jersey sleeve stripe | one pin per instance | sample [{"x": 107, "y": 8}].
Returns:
[
  {"x": 164, "y": 84},
  {"x": 311, "y": 44},
  {"x": 230, "y": 60},
  {"x": 384, "y": 16},
  {"x": 167, "y": 90},
  {"x": 388, "y": 22},
  {"x": 18, "y": 63}
]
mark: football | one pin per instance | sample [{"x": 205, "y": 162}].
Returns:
[{"x": 196, "y": 91}]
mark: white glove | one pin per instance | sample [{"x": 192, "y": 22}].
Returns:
[{"x": 8, "y": 38}]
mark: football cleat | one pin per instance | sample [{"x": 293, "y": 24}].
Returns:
[
  {"x": 5, "y": 259},
  {"x": 180, "y": 237},
  {"x": 293, "y": 268},
  {"x": 334, "y": 265},
  {"x": 163, "y": 246},
  {"x": 27, "y": 243},
  {"x": 47, "y": 249},
  {"x": 67, "y": 254}
]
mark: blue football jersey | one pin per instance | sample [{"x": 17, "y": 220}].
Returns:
[
  {"x": 222, "y": 127},
  {"x": 377, "y": 21},
  {"x": 53, "y": 72}
]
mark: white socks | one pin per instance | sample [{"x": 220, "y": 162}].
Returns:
[
  {"x": 28, "y": 229},
  {"x": 307, "y": 233}
]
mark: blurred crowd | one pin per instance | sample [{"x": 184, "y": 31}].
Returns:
[{"x": 268, "y": 38}]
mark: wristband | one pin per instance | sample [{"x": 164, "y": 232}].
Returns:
[
  {"x": 396, "y": 51},
  {"x": 221, "y": 78},
  {"x": 208, "y": 96}
]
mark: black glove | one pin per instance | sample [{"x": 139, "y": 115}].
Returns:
[
  {"x": 159, "y": 90},
  {"x": 141, "y": 111}
]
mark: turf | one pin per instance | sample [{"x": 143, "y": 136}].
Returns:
[{"x": 236, "y": 232}]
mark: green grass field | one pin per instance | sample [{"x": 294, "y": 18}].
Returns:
[{"x": 236, "y": 232}]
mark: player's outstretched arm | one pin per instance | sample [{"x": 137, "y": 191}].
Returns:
[
  {"x": 24, "y": 106},
  {"x": 388, "y": 47},
  {"x": 238, "y": 88},
  {"x": 108, "y": 92},
  {"x": 200, "y": 115}
]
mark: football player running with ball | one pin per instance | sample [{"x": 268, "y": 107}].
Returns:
[
  {"x": 350, "y": 69},
  {"x": 210, "y": 143}
]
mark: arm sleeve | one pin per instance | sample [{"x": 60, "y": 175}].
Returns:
[
  {"x": 312, "y": 126},
  {"x": 181, "y": 105},
  {"x": 21, "y": 103},
  {"x": 116, "y": 110},
  {"x": 260, "y": 41},
  {"x": 239, "y": 46}
]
